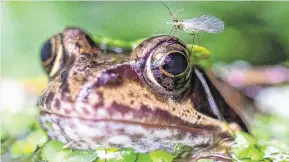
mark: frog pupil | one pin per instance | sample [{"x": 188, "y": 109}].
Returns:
[
  {"x": 46, "y": 51},
  {"x": 175, "y": 63}
]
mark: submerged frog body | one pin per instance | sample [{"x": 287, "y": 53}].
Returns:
[{"x": 151, "y": 99}]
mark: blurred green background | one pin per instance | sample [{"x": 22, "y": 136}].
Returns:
[{"x": 254, "y": 31}]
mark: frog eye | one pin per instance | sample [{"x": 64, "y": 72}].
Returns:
[
  {"x": 46, "y": 52},
  {"x": 50, "y": 55},
  {"x": 170, "y": 71},
  {"x": 47, "y": 55},
  {"x": 174, "y": 64},
  {"x": 164, "y": 63}
]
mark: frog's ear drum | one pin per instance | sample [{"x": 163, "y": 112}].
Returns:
[{"x": 51, "y": 54}]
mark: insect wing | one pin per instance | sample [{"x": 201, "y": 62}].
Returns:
[{"x": 206, "y": 23}]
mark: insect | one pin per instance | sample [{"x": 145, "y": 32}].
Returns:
[{"x": 204, "y": 23}]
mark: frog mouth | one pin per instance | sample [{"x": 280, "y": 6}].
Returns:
[{"x": 142, "y": 136}]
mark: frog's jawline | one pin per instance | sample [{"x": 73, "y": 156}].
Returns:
[{"x": 143, "y": 137}]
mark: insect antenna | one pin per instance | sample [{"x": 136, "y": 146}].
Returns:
[
  {"x": 173, "y": 17},
  {"x": 168, "y": 9},
  {"x": 165, "y": 22},
  {"x": 173, "y": 30}
]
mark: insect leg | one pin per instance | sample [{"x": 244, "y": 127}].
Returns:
[
  {"x": 175, "y": 31},
  {"x": 175, "y": 14},
  {"x": 172, "y": 31},
  {"x": 174, "y": 27},
  {"x": 194, "y": 35}
]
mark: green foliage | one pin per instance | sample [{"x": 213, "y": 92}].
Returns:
[
  {"x": 54, "y": 151},
  {"x": 161, "y": 156},
  {"x": 144, "y": 158},
  {"x": 18, "y": 124},
  {"x": 265, "y": 145},
  {"x": 82, "y": 155},
  {"x": 112, "y": 43},
  {"x": 11, "y": 127},
  {"x": 246, "y": 148},
  {"x": 181, "y": 150},
  {"x": 29, "y": 144},
  {"x": 121, "y": 155},
  {"x": 199, "y": 55},
  {"x": 272, "y": 128}
]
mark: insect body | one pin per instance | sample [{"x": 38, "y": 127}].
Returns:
[{"x": 205, "y": 23}]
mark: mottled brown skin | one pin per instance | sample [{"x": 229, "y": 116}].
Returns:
[{"x": 95, "y": 98}]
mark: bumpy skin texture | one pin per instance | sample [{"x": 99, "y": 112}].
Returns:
[{"x": 96, "y": 98}]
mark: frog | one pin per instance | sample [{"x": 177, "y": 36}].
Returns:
[{"x": 151, "y": 98}]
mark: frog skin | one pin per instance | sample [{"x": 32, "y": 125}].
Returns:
[{"x": 148, "y": 100}]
